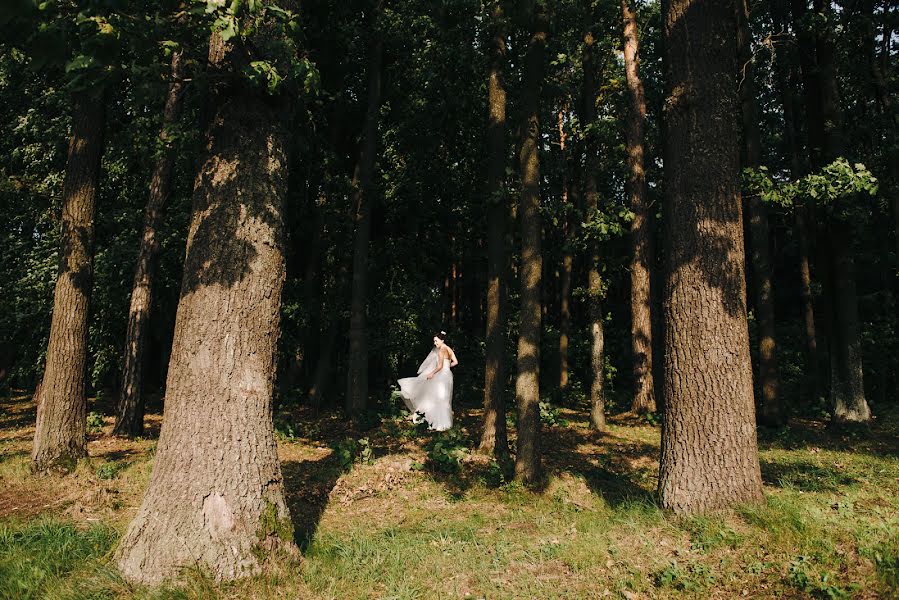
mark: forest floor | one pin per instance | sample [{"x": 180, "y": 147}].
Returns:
[{"x": 387, "y": 518}]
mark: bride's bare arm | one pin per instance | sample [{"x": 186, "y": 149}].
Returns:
[
  {"x": 453, "y": 360},
  {"x": 439, "y": 365}
]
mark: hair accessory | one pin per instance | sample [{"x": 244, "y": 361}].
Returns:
[{"x": 442, "y": 333}]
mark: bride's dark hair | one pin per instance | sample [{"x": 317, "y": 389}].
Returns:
[{"x": 441, "y": 335}]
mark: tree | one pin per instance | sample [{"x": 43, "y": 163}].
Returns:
[
  {"x": 591, "y": 204},
  {"x": 789, "y": 64},
  {"x": 642, "y": 252},
  {"x": 60, "y": 431},
  {"x": 130, "y": 410},
  {"x": 569, "y": 196},
  {"x": 847, "y": 375},
  {"x": 528, "y": 467},
  {"x": 707, "y": 369},
  {"x": 216, "y": 494},
  {"x": 771, "y": 411},
  {"x": 493, "y": 436},
  {"x": 357, "y": 369}
]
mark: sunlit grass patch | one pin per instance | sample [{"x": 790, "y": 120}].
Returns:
[{"x": 36, "y": 557}]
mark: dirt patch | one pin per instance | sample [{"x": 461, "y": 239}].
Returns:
[{"x": 19, "y": 501}]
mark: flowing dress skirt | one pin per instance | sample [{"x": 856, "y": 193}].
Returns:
[{"x": 430, "y": 397}]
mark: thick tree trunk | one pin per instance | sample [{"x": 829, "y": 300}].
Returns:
[
  {"x": 591, "y": 204},
  {"x": 357, "y": 369},
  {"x": 493, "y": 436},
  {"x": 787, "y": 71},
  {"x": 709, "y": 457},
  {"x": 130, "y": 411},
  {"x": 216, "y": 495},
  {"x": 771, "y": 411},
  {"x": 846, "y": 376},
  {"x": 61, "y": 428},
  {"x": 567, "y": 260},
  {"x": 528, "y": 467},
  {"x": 642, "y": 252},
  {"x": 847, "y": 381}
]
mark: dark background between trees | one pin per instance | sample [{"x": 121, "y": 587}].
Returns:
[{"x": 429, "y": 205}]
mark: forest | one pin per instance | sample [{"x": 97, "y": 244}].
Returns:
[{"x": 661, "y": 236}]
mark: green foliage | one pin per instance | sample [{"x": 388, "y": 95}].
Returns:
[
  {"x": 707, "y": 533},
  {"x": 825, "y": 586},
  {"x": 834, "y": 183},
  {"x": 349, "y": 451},
  {"x": 110, "y": 470},
  {"x": 446, "y": 450},
  {"x": 94, "y": 422},
  {"x": 494, "y": 475},
  {"x": 886, "y": 560},
  {"x": 549, "y": 415},
  {"x": 284, "y": 427},
  {"x": 694, "y": 578}
]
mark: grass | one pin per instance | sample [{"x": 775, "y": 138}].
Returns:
[{"x": 399, "y": 523}]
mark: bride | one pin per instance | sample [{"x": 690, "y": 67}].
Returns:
[{"x": 431, "y": 392}]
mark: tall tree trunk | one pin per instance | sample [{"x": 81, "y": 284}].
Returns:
[
  {"x": 567, "y": 261},
  {"x": 877, "y": 68},
  {"x": 528, "y": 467},
  {"x": 787, "y": 90},
  {"x": 130, "y": 410},
  {"x": 493, "y": 436},
  {"x": 216, "y": 494},
  {"x": 591, "y": 204},
  {"x": 709, "y": 457},
  {"x": 357, "y": 369},
  {"x": 847, "y": 378},
  {"x": 642, "y": 252},
  {"x": 771, "y": 411},
  {"x": 322, "y": 369},
  {"x": 61, "y": 428}
]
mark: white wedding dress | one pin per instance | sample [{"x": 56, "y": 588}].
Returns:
[{"x": 431, "y": 397}]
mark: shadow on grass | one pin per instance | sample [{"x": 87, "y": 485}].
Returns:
[
  {"x": 613, "y": 478},
  {"x": 17, "y": 412},
  {"x": 603, "y": 461},
  {"x": 307, "y": 485},
  {"x": 804, "y": 476},
  {"x": 879, "y": 439}
]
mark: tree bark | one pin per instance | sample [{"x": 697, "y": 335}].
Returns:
[
  {"x": 771, "y": 411},
  {"x": 494, "y": 439},
  {"x": 216, "y": 494},
  {"x": 528, "y": 467},
  {"x": 591, "y": 204},
  {"x": 786, "y": 82},
  {"x": 709, "y": 457},
  {"x": 642, "y": 251},
  {"x": 130, "y": 410},
  {"x": 878, "y": 66},
  {"x": 357, "y": 369},
  {"x": 568, "y": 196},
  {"x": 847, "y": 378},
  {"x": 61, "y": 428}
]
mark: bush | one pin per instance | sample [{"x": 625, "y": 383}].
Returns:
[
  {"x": 284, "y": 427},
  {"x": 94, "y": 422},
  {"x": 446, "y": 450},
  {"x": 349, "y": 451},
  {"x": 109, "y": 470},
  {"x": 549, "y": 415}
]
